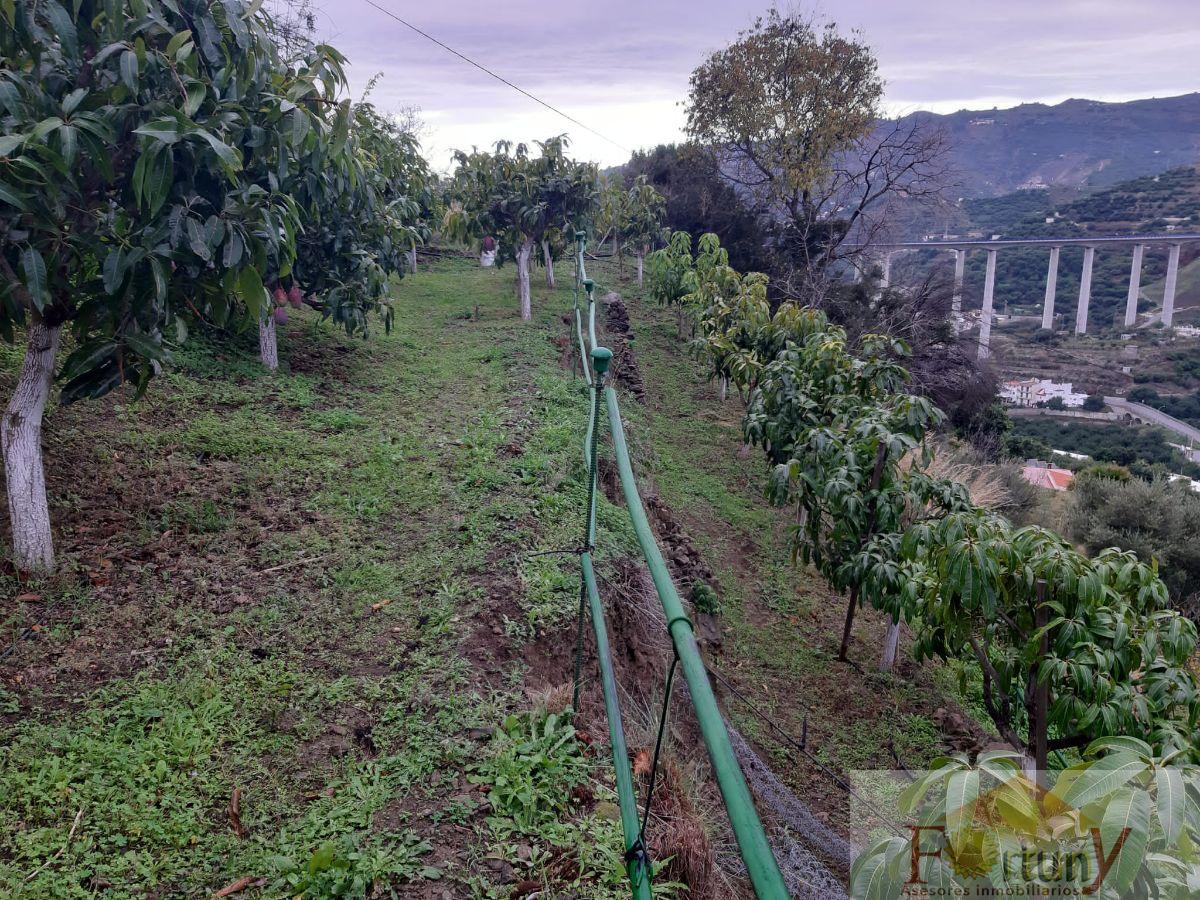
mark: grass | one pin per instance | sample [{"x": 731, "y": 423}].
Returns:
[{"x": 273, "y": 585}]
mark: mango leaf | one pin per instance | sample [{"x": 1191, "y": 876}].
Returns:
[
  {"x": 197, "y": 240},
  {"x": 113, "y": 270},
  {"x": 1172, "y": 802},
  {"x": 250, "y": 287},
  {"x": 1099, "y": 779},
  {"x": 165, "y": 129},
  {"x": 64, "y": 27},
  {"x": 229, "y": 156},
  {"x": 129, "y": 70},
  {"x": 196, "y": 92},
  {"x": 1126, "y": 824},
  {"x": 33, "y": 268}
]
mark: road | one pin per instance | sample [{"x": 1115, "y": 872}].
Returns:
[{"x": 1150, "y": 414}]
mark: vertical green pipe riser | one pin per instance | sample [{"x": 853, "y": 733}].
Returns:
[
  {"x": 601, "y": 357},
  {"x": 639, "y": 876},
  {"x": 589, "y": 288},
  {"x": 747, "y": 828}
]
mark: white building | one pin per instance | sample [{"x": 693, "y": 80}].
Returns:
[{"x": 1032, "y": 391}]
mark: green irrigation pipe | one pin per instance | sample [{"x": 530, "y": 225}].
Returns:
[
  {"x": 580, "y": 275},
  {"x": 639, "y": 870},
  {"x": 747, "y": 828},
  {"x": 636, "y": 862}
]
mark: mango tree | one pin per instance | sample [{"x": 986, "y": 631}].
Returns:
[
  {"x": 672, "y": 272},
  {"x": 567, "y": 195},
  {"x": 732, "y": 311},
  {"x": 839, "y": 429},
  {"x": 643, "y": 224},
  {"x": 367, "y": 195},
  {"x": 612, "y": 216},
  {"x": 517, "y": 199},
  {"x": 1071, "y": 649},
  {"x": 121, "y": 209}
]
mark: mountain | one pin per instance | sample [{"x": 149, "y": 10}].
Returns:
[{"x": 1078, "y": 144}]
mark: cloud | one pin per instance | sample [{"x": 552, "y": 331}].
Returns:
[{"x": 623, "y": 66}]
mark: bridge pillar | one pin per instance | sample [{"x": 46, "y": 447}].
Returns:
[
  {"x": 1135, "y": 285},
  {"x": 1085, "y": 290},
  {"x": 887, "y": 271},
  {"x": 1051, "y": 288},
  {"x": 989, "y": 293},
  {"x": 1168, "y": 313},
  {"x": 960, "y": 265}
]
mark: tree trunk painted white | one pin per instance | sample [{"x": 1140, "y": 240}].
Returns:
[
  {"x": 523, "y": 254},
  {"x": 640, "y": 258},
  {"x": 412, "y": 258},
  {"x": 268, "y": 346},
  {"x": 21, "y": 437},
  {"x": 724, "y": 388},
  {"x": 549, "y": 258},
  {"x": 891, "y": 644}
]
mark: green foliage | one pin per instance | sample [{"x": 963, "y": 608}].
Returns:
[
  {"x": 848, "y": 449},
  {"x": 705, "y": 599},
  {"x": 1157, "y": 520},
  {"x": 668, "y": 270},
  {"x": 533, "y": 764},
  {"x": 517, "y": 198},
  {"x": 368, "y": 196},
  {"x": 132, "y": 145},
  {"x": 1094, "y": 403},
  {"x": 633, "y": 215},
  {"x": 1116, "y": 660},
  {"x": 1138, "y": 448}
]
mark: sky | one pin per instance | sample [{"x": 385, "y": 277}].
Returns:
[{"x": 621, "y": 67}]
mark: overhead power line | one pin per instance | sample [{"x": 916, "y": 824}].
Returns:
[{"x": 500, "y": 78}]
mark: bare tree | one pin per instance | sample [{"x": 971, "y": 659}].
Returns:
[
  {"x": 792, "y": 114},
  {"x": 293, "y": 24}
]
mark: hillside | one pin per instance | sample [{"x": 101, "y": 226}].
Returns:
[
  {"x": 317, "y": 643},
  {"x": 1148, "y": 204},
  {"x": 1075, "y": 144}
]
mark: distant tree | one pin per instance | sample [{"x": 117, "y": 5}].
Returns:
[
  {"x": 698, "y": 200},
  {"x": 1158, "y": 520},
  {"x": 643, "y": 225},
  {"x": 612, "y": 216},
  {"x": 1094, "y": 403},
  {"x": 791, "y": 111},
  {"x": 1056, "y": 403}
]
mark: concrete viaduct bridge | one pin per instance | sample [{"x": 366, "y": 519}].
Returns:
[{"x": 960, "y": 248}]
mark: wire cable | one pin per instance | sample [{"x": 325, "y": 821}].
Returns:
[{"x": 500, "y": 78}]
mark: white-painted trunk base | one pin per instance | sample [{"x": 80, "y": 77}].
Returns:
[
  {"x": 891, "y": 644},
  {"x": 268, "y": 344},
  {"x": 21, "y": 437},
  {"x": 548, "y": 257},
  {"x": 640, "y": 260},
  {"x": 523, "y": 255}
]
